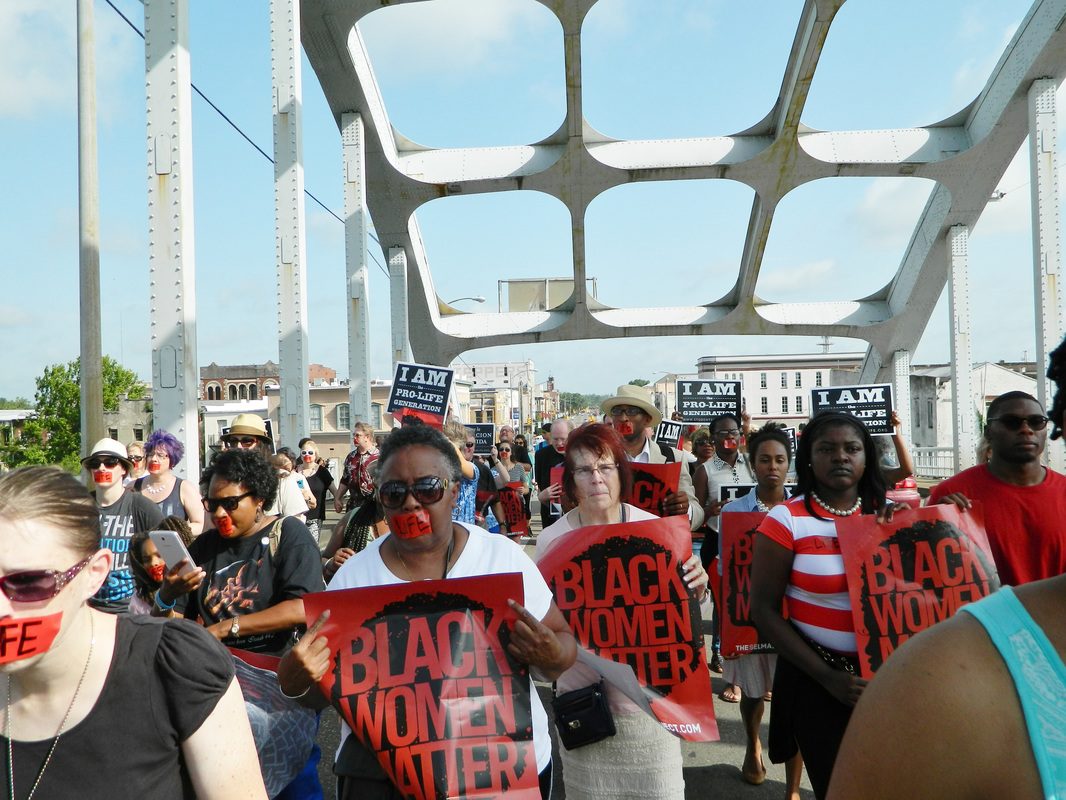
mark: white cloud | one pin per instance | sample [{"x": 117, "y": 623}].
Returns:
[
  {"x": 38, "y": 56},
  {"x": 889, "y": 210},
  {"x": 453, "y": 37},
  {"x": 793, "y": 279}
]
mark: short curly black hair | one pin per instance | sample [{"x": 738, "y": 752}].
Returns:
[
  {"x": 1056, "y": 372},
  {"x": 425, "y": 436},
  {"x": 250, "y": 469},
  {"x": 770, "y": 432}
]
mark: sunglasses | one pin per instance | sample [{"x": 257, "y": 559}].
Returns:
[
  {"x": 470, "y": 444},
  {"x": 1012, "y": 422},
  {"x": 229, "y": 504},
  {"x": 307, "y": 452},
  {"x": 426, "y": 491},
  {"x": 38, "y": 585},
  {"x": 503, "y": 450},
  {"x": 136, "y": 459},
  {"x": 246, "y": 442},
  {"x": 96, "y": 463}
]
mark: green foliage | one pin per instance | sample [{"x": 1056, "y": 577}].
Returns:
[
  {"x": 18, "y": 402},
  {"x": 54, "y": 437},
  {"x": 639, "y": 382},
  {"x": 573, "y": 402}
]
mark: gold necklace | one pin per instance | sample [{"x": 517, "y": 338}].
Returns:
[
  {"x": 410, "y": 574},
  {"x": 59, "y": 730}
]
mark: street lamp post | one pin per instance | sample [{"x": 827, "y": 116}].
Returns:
[{"x": 476, "y": 298}]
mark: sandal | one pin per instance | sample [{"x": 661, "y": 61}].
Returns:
[
  {"x": 730, "y": 694},
  {"x": 716, "y": 664}
]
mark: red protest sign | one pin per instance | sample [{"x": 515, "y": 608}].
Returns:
[
  {"x": 514, "y": 511},
  {"x": 27, "y": 636},
  {"x": 422, "y": 676},
  {"x": 739, "y": 636},
  {"x": 621, "y": 590},
  {"x": 652, "y": 483},
  {"x": 909, "y": 574}
]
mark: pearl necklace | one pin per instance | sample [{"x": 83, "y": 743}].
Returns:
[
  {"x": 838, "y": 512},
  {"x": 59, "y": 730}
]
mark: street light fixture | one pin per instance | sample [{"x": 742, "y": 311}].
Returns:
[{"x": 476, "y": 299}]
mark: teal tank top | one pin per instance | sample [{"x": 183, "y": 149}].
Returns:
[{"x": 1039, "y": 678}]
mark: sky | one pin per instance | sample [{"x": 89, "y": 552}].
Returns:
[{"x": 490, "y": 72}]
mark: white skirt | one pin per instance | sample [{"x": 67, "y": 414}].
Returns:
[
  {"x": 642, "y": 761},
  {"x": 753, "y": 673}
]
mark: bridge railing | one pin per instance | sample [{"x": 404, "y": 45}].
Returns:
[{"x": 934, "y": 462}]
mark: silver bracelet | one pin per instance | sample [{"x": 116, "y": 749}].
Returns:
[{"x": 295, "y": 696}]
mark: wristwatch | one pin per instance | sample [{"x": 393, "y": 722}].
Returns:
[{"x": 235, "y": 627}]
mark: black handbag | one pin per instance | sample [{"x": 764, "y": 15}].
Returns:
[{"x": 583, "y": 716}]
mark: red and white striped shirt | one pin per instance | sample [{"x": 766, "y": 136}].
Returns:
[{"x": 817, "y": 593}]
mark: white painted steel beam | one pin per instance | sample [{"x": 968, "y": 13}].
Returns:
[
  {"x": 901, "y": 390},
  {"x": 962, "y": 408},
  {"x": 353, "y": 145},
  {"x": 401, "y": 336},
  {"x": 290, "y": 230},
  {"x": 1047, "y": 258},
  {"x": 171, "y": 240},
  {"x": 966, "y": 155}
]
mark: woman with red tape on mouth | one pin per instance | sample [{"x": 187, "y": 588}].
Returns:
[
  {"x": 101, "y": 705},
  {"x": 417, "y": 484},
  {"x": 174, "y": 496}
]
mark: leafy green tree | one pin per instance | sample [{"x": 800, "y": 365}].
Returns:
[
  {"x": 18, "y": 402},
  {"x": 54, "y": 436},
  {"x": 639, "y": 382}
]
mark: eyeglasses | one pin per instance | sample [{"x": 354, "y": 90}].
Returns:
[
  {"x": 212, "y": 504},
  {"x": 727, "y": 434},
  {"x": 96, "y": 463},
  {"x": 503, "y": 450},
  {"x": 136, "y": 459},
  {"x": 38, "y": 585},
  {"x": 246, "y": 442},
  {"x": 605, "y": 471},
  {"x": 426, "y": 491},
  {"x": 627, "y": 411},
  {"x": 1012, "y": 422},
  {"x": 307, "y": 452}
]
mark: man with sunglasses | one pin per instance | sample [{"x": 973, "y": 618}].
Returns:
[
  {"x": 1024, "y": 502},
  {"x": 122, "y": 514}
]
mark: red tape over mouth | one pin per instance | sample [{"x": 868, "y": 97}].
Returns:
[{"x": 411, "y": 524}]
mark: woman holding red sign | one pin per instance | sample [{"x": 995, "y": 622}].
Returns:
[
  {"x": 418, "y": 482},
  {"x": 797, "y": 561},
  {"x": 517, "y": 486},
  {"x": 642, "y": 759},
  {"x": 103, "y": 705}
]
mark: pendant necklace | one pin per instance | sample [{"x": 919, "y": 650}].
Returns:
[{"x": 59, "y": 730}]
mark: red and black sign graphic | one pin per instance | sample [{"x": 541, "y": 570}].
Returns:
[
  {"x": 739, "y": 636},
  {"x": 652, "y": 483},
  {"x": 911, "y": 573},
  {"x": 514, "y": 511},
  {"x": 423, "y": 678},
  {"x": 621, "y": 590}
]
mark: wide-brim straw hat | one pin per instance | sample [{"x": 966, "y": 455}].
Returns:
[
  {"x": 636, "y": 396},
  {"x": 109, "y": 448},
  {"x": 248, "y": 425}
]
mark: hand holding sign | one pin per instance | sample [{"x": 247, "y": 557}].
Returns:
[
  {"x": 307, "y": 662},
  {"x": 675, "y": 504},
  {"x": 534, "y": 643},
  {"x": 696, "y": 576}
]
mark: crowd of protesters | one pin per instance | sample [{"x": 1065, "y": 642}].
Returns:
[{"x": 136, "y": 657}]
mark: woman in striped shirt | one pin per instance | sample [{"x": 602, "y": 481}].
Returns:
[{"x": 797, "y": 561}]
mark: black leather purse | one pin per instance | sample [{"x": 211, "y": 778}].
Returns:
[{"x": 583, "y": 716}]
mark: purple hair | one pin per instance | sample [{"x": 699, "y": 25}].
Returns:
[{"x": 161, "y": 440}]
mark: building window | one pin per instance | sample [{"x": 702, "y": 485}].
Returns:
[
  {"x": 138, "y": 434},
  {"x": 232, "y": 391},
  {"x": 375, "y": 417},
  {"x": 929, "y": 412},
  {"x": 784, "y": 380},
  {"x": 799, "y": 404},
  {"x": 222, "y": 425},
  {"x": 316, "y": 417},
  {"x": 799, "y": 380},
  {"x": 764, "y": 405},
  {"x": 917, "y": 413},
  {"x": 344, "y": 417},
  {"x": 762, "y": 380},
  {"x": 253, "y": 391},
  {"x": 818, "y": 379},
  {"x": 113, "y": 433},
  {"x": 784, "y": 405}
]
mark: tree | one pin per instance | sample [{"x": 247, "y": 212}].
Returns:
[
  {"x": 54, "y": 436},
  {"x": 639, "y": 382},
  {"x": 18, "y": 402}
]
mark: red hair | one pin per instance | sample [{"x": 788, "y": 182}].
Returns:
[{"x": 602, "y": 441}]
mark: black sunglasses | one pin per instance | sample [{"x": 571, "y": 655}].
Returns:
[
  {"x": 136, "y": 459},
  {"x": 1012, "y": 422},
  {"x": 96, "y": 463},
  {"x": 470, "y": 444},
  {"x": 38, "y": 585},
  {"x": 212, "y": 504},
  {"x": 426, "y": 491},
  {"x": 242, "y": 441}
]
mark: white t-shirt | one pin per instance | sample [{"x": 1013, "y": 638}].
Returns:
[
  {"x": 290, "y": 500},
  {"x": 485, "y": 554}
]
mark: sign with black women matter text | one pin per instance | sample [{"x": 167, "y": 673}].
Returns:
[
  {"x": 652, "y": 484},
  {"x": 422, "y": 389},
  {"x": 484, "y": 434},
  {"x": 871, "y": 403},
  {"x": 422, "y": 675},
  {"x": 908, "y": 574},
  {"x": 622, "y": 591},
  {"x": 701, "y": 401},
  {"x": 739, "y": 635}
]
